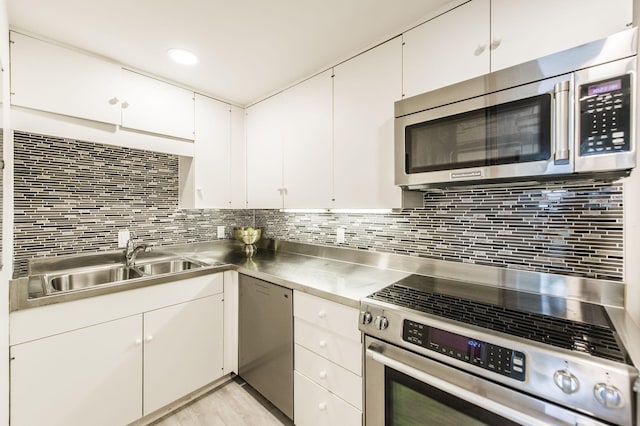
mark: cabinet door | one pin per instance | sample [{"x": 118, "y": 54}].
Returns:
[
  {"x": 154, "y": 106},
  {"x": 307, "y": 143},
  {"x": 523, "y": 30},
  {"x": 183, "y": 350},
  {"x": 51, "y": 78},
  {"x": 238, "y": 160},
  {"x": 88, "y": 376},
  {"x": 365, "y": 89},
  {"x": 212, "y": 153},
  {"x": 449, "y": 48},
  {"x": 264, "y": 154}
]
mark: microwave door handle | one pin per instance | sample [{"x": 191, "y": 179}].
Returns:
[
  {"x": 452, "y": 389},
  {"x": 561, "y": 99}
]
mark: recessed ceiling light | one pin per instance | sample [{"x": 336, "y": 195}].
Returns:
[{"x": 182, "y": 56}]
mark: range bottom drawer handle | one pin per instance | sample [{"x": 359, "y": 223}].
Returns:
[{"x": 454, "y": 390}]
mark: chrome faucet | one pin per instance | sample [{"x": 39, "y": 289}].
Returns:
[{"x": 131, "y": 251}]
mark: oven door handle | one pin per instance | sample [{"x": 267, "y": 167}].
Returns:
[{"x": 454, "y": 390}]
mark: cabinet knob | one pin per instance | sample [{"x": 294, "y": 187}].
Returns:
[
  {"x": 148, "y": 338},
  {"x": 114, "y": 100},
  {"x": 322, "y": 314},
  {"x": 495, "y": 42},
  {"x": 124, "y": 105},
  {"x": 481, "y": 48},
  {"x": 322, "y": 343},
  {"x": 322, "y": 406},
  {"x": 138, "y": 341},
  {"x": 322, "y": 375}
]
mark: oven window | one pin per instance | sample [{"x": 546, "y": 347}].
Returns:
[
  {"x": 513, "y": 132},
  {"x": 410, "y": 402}
]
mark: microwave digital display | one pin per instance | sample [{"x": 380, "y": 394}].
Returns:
[{"x": 604, "y": 87}]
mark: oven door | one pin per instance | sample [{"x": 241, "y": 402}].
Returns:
[
  {"x": 406, "y": 389},
  {"x": 517, "y": 132}
]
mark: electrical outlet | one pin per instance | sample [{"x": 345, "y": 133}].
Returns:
[
  {"x": 123, "y": 237},
  {"x": 220, "y": 232},
  {"x": 340, "y": 235}
]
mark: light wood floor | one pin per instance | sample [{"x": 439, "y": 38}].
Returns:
[{"x": 233, "y": 404}]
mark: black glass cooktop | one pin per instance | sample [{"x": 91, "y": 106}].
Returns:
[{"x": 505, "y": 314}]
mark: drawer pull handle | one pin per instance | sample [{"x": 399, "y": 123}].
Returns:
[
  {"x": 323, "y": 343},
  {"x": 322, "y": 406},
  {"x": 322, "y": 314},
  {"x": 323, "y": 375}
]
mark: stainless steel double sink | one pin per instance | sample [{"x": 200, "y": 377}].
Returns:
[
  {"x": 74, "y": 280},
  {"x": 81, "y": 273}
]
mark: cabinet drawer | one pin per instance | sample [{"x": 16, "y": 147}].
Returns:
[
  {"x": 344, "y": 383},
  {"x": 338, "y": 318},
  {"x": 334, "y": 347},
  {"x": 314, "y": 405}
]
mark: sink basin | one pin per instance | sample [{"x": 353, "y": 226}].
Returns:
[
  {"x": 168, "y": 266},
  {"x": 93, "y": 277}
]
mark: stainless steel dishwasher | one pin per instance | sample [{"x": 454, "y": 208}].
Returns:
[{"x": 265, "y": 341}]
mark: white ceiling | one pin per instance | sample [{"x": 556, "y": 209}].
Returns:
[{"x": 248, "y": 49}]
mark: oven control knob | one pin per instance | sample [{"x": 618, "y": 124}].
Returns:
[
  {"x": 381, "y": 322},
  {"x": 608, "y": 395},
  {"x": 366, "y": 317},
  {"x": 566, "y": 381}
]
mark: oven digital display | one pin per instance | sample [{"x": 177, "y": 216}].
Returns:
[
  {"x": 498, "y": 359},
  {"x": 604, "y": 87},
  {"x": 460, "y": 343}
]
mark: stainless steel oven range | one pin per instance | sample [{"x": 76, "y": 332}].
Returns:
[{"x": 442, "y": 352}]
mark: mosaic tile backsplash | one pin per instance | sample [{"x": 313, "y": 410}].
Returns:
[
  {"x": 567, "y": 228},
  {"x": 74, "y": 196}
]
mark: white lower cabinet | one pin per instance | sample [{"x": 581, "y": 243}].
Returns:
[
  {"x": 167, "y": 343},
  {"x": 87, "y": 376},
  {"x": 316, "y": 406},
  {"x": 328, "y": 363},
  {"x": 182, "y": 350}
]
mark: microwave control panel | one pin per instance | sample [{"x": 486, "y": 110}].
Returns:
[{"x": 605, "y": 116}]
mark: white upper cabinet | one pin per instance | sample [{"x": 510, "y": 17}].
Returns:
[
  {"x": 365, "y": 89},
  {"x": 264, "y": 154},
  {"x": 523, "y": 30},
  {"x": 289, "y": 147},
  {"x": 449, "y": 48},
  {"x": 215, "y": 176},
  {"x": 51, "y": 78},
  {"x": 238, "y": 160},
  {"x": 307, "y": 143},
  {"x": 154, "y": 106},
  {"x": 487, "y": 35},
  {"x": 212, "y": 153}
]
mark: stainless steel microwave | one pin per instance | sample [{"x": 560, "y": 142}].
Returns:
[{"x": 570, "y": 112}]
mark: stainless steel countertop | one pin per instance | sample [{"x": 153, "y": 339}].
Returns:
[
  {"x": 341, "y": 275},
  {"x": 346, "y": 276},
  {"x": 340, "y": 281}
]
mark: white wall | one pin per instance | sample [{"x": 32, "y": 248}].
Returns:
[{"x": 7, "y": 220}]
